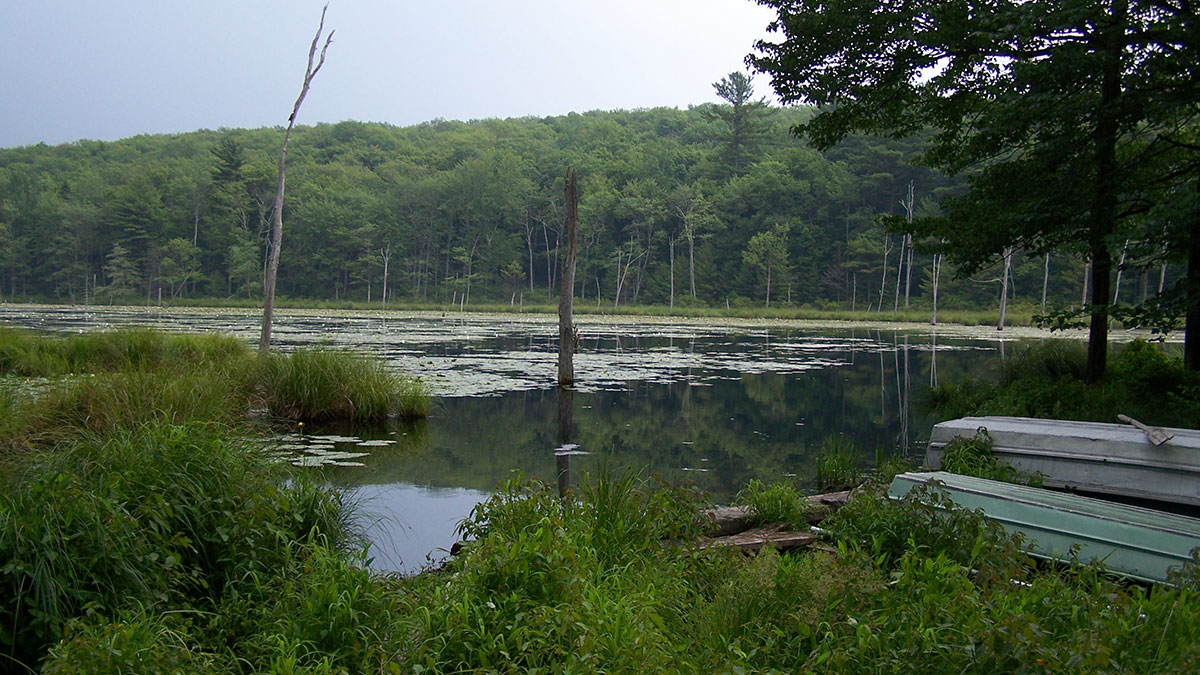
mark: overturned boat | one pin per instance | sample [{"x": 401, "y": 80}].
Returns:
[
  {"x": 1131, "y": 541},
  {"x": 1105, "y": 459}
]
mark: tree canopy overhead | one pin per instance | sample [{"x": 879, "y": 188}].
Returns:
[{"x": 1068, "y": 118}]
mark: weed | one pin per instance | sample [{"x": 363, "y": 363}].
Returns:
[
  {"x": 837, "y": 467},
  {"x": 775, "y": 503},
  {"x": 974, "y": 457}
]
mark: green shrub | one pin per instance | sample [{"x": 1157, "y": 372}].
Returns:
[
  {"x": 775, "y": 503},
  {"x": 138, "y": 642},
  {"x": 1046, "y": 381},
  {"x": 321, "y": 385}
]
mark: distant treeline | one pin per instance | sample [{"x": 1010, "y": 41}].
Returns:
[{"x": 711, "y": 205}]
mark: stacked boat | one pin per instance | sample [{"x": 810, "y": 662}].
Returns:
[{"x": 1156, "y": 467}]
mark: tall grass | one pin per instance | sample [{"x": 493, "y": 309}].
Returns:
[
  {"x": 838, "y": 464},
  {"x": 137, "y": 349},
  {"x": 321, "y": 385},
  {"x": 156, "y": 515},
  {"x": 1046, "y": 380},
  {"x": 912, "y": 588}
]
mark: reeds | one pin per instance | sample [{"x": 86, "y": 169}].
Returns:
[
  {"x": 321, "y": 385},
  {"x": 838, "y": 464}
]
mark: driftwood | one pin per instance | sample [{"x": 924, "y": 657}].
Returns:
[
  {"x": 727, "y": 520},
  {"x": 758, "y": 537}
]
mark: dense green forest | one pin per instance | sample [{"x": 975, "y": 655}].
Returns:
[{"x": 711, "y": 205}]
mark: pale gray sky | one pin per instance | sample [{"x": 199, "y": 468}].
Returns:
[{"x": 108, "y": 69}]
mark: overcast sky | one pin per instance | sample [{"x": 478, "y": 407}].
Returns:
[{"x": 108, "y": 69}]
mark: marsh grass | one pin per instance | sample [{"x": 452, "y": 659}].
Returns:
[
  {"x": 838, "y": 464},
  {"x": 1016, "y": 316},
  {"x": 110, "y": 402},
  {"x": 1046, "y": 380},
  {"x": 322, "y": 385},
  {"x": 161, "y": 514},
  {"x": 132, "y": 349}
]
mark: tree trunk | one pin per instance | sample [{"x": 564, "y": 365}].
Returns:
[
  {"x": 1120, "y": 268},
  {"x": 692, "y": 263},
  {"x": 1191, "y": 328},
  {"x": 671, "y": 245},
  {"x": 937, "y": 273},
  {"x": 887, "y": 248},
  {"x": 1087, "y": 275},
  {"x": 1045, "y": 283},
  {"x": 908, "y": 273},
  {"x": 1004, "y": 287},
  {"x": 264, "y": 342},
  {"x": 387, "y": 256},
  {"x": 1104, "y": 200},
  {"x": 566, "y": 292}
]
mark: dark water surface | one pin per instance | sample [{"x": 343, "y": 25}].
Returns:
[{"x": 714, "y": 403}]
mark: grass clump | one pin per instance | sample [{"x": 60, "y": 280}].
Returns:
[
  {"x": 1047, "y": 380},
  {"x": 837, "y": 467},
  {"x": 775, "y": 503},
  {"x": 321, "y": 385}
]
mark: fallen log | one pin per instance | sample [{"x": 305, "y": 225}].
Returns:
[{"x": 756, "y": 538}]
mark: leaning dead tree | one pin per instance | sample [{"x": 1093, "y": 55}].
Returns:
[
  {"x": 566, "y": 290},
  {"x": 264, "y": 342}
]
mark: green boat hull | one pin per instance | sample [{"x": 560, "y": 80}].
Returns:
[{"x": 1130, "y": 541}]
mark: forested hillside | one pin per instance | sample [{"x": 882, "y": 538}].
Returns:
[{"x": 714, "y": 204}]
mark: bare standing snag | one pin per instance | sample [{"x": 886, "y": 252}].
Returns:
[{"x": 264, "y": 342}]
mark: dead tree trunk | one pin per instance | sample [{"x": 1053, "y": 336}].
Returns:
[
  {"x": 1004, "y": 287},
  {"x": 566, "y": 290},
  {"x": 1045, "y": 284},
  {"x": 386, "y": 254},
  {"x": 264, "y": 342},
  {"x": 937, "y": 273}
]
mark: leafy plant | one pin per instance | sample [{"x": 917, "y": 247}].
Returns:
[
  {"x": 775, "y": 503},
  {"x": 974, "y": 457}
]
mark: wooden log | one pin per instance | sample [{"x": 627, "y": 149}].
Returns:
[{"x": 756, "y": 538}]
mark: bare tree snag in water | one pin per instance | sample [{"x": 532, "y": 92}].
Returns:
[
  {"x": 566, "y": 289},
  {"x": 264, "y": 342},
  {"x": 1004, "y": 286}
]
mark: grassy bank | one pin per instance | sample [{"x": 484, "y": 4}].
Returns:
[
  {"x": 1047, "y": 380},
  {"x": 103, "y": 381},
  {"x": 143, "y": 530},
  {"x": 172, "y": 549}
]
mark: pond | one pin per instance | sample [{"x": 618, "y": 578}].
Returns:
[{"x": 716, "y": 403}]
